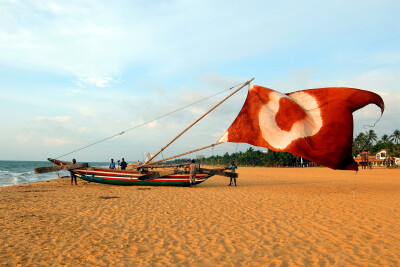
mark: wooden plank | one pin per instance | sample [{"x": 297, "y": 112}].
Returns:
[
  {"x": 211, "y": 171},
  {"x": 59, "y": 168},
  {"x": 230, "y": 174},
  {"x": 156, "y": 174},
  {"x": 150, "y": 176},
  {"x": 219, "y": 172},
  {"x": 166, "y": 172}
]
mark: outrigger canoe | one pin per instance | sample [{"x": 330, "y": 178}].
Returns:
[
  {"x": 149, "y": 173},
  {"x": 315, "y": 124},
  {"x": 176, "y": 175}
]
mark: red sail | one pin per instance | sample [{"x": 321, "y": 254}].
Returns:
[{"x": 315, "y": 124}]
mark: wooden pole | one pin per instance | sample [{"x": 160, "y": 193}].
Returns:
[
  {"x": 190, "y": 126},
  {"x": 67, "y": 167},
  {"x": 151, "y": 163}
]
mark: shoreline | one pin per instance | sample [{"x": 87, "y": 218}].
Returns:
[
  {"x": 290, "y": 216},
  {"x": 216, "y": 166}
]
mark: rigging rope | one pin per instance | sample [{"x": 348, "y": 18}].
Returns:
[
  {"x": 237, "y": 145},
  {"x": 372, "y": 126},
  {"x": 213, "y": 159},
  {"x": 140, "y": 125}
]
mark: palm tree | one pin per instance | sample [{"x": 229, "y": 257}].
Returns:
[
  {"x": 395, "y": 136},
  {"x": 370, "y": 137},
  {"x": 385, "y": 138},
  {"x": 360, "y": 142}
]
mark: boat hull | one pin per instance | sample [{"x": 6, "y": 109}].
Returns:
[
  {"x": 132, "y": 178},
  {"x": 132, "y": 181}
]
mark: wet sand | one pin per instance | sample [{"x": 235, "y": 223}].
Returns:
[{"x": 274, "y": 217}]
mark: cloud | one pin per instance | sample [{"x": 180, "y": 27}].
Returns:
[
  {"x": 58, "y": 119},
  {"x": 294, "y": 80},
  {"x": 152, "y": 124},
  {"x": 384, "y": 82},
  {"x": 54, "y": 8},
  {"x": 377, "y": 80},
  {"x": 154, "y": 57},
  {"x": 96, "y": 81},
  {"x": 70, "y": 38},
  {"x": 96, "y": 42},
  {"x": 88, "y": 111},
  {"x": 22, "y": 139},
  {"x": 197, "y": 110},
  {"x": 51, "y": 141},
  {"x": 84, "y": 129},
  {"x": 63, "y": 127}
]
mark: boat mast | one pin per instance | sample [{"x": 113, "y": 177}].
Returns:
[
  {"x": 156, "y": 154},
  {"x": 180, "y": 155}
]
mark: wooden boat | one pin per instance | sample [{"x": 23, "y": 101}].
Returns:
[
  {"x": 301, "y": 123},
  {"x": 148, "y": 173},
  {"x": 163, "y": 176}
]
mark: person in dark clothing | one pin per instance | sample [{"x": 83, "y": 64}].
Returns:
[
  {"x": 233, "y": 168},
  {"x": 73, "y": 176},
  {"x": 112, "y": 164},
  {"x": 123, "y": 164}
]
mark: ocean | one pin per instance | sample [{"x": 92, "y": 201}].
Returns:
[{"x": 21, "y": 172}]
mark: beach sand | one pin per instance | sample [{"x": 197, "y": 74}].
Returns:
[{"x": 274, "y": 217}]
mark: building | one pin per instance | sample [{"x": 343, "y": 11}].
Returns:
[{"x": 379, "y": 159}]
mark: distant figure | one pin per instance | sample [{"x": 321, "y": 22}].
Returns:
[
  {"x": 138, "y": 162},
  {"x": 112, "y": 164},
  {"x": 233, "y": 168},
  {"x": 123, "y": 164},
  {"x": 193, "y": 172},
  {"x": 187, "y": 166},
  {"x": 73, "y": 176}
]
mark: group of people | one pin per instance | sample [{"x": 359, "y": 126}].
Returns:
[{"x": 123, "y": 164}]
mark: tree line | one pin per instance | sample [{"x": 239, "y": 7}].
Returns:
[
  {"x": 253, "y": 157},
  {"x": 259, "y": 158},
  {"x": 370, "y": 143},
  {"x": 367, "y": 141}
]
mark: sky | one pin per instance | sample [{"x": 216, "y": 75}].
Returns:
[{"x": 76, "y": 72}]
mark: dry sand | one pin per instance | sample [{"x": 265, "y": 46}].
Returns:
[{"x": 275, "y": 217}]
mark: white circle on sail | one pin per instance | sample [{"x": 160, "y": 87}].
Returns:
[{"x": 308, "y": 126}]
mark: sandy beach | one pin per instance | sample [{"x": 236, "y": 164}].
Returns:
[{"x": 274, "y": 217}]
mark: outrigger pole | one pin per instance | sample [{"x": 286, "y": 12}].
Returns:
[
  {"x": 190, "y": 126},
  {"x": 180, "y": 155}
]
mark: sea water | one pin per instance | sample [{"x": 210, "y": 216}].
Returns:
[{"x": 21, "y": 172}]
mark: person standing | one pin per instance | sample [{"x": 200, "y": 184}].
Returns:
[
  {"x": 73, "y": 175},
  {"x": 187, "y": 166},
  {"x": 192, "y": 173},
  {"x": 233, "y": 168},
  {"x": 123, "y": 164},
  {"x": 112, "y": 164}
]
